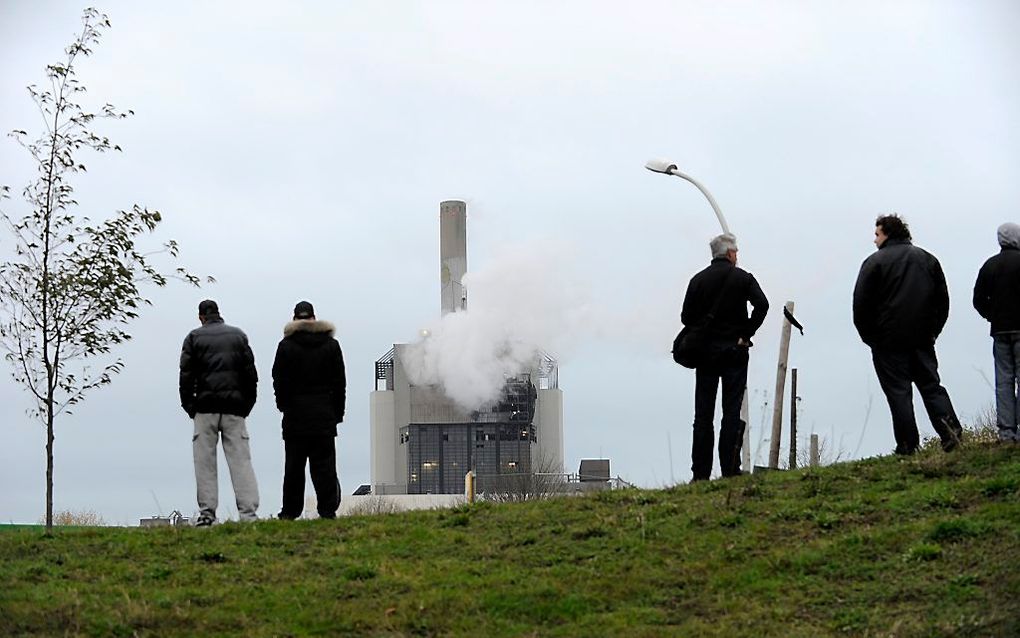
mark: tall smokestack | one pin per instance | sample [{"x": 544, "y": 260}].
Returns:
[{"x": 453, "y": 254}]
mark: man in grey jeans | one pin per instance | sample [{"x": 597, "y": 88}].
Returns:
[
  {"x": 217, "y": 383},
  {"x": 997, "y": 299}
]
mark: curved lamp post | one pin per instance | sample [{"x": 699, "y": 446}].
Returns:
[{"x": 667, "y": 168}]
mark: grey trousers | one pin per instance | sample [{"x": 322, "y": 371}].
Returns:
[
  {"x": 1006, "y": 354},
  {"x": 208, "y": 429}
]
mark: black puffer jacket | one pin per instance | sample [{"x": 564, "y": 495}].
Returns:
[
  {"x": 900, "y": 300},
  {"x": 217, "y": 370},
  {"x": 997, "y": 289},
  {"x": 731, "y": 321},
  {"x": 309, "y": 379}
]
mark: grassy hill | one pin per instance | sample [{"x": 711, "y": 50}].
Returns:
[{"x": 928, "y": 546}]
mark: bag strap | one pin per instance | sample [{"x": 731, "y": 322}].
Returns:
[{"x": 722, "y": 293}]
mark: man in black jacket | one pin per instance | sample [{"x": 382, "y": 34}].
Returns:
[
  {"x": 217, "y": 384},
  {"x": 311, "y": 392},
  {"x": 901, "y": 304},
  {"x": 729, "y": 333},
  {"x": 997, "y": 299}
]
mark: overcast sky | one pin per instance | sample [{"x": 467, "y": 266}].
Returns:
[{"x": 300, "y": 150}]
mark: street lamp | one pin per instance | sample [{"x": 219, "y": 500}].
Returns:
[{"x": 667, "y": 168}]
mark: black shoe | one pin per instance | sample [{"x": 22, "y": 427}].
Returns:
[
  {"x": 332, "y": 515},
  {"x": 204, "y": 520},
  {"x": 952, "y": 441},
  {"x": 955, "y": 433}
]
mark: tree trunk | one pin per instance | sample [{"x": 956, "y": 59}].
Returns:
[{"x": 49, "y": 469}]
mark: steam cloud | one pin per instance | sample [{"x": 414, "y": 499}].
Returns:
[{"x": 524, "y": 302}]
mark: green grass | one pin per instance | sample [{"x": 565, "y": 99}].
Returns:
[{"x": 928, "y": 546}]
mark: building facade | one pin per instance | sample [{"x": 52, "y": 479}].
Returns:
[{"x": 424, "y": 443}]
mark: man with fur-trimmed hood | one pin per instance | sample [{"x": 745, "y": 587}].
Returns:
[{"x": 311, "y": 392}]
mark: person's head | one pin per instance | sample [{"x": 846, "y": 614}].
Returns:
[
  {"x": 207, "y": 309},
  {"x": 890, "y": 227},
  {"x": 724, "y": 245},
  {"x": 304, "y": 310},
  {"x": 1009, "y": 235}
]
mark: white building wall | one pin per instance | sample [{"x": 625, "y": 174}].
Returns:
[
  {"x": 388, "y": 504},
  {"x": 548, "y": 455},
  {"x": 355, "y": 505},
  {"x": 384, "y": 437}
]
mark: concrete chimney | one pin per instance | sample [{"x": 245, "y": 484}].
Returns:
[{"x": 453, "y": 254}]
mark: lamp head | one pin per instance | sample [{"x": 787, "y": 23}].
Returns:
[{"x": 660, "y": 166}]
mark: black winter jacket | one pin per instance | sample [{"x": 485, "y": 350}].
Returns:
[
  {"x": 217, "y": 370},
  {"x": 309, "y": 379},
  {"x": 997, "y": 291},
  {"x": 900, "y": 299},
  {"x": 731, "y": 321}
]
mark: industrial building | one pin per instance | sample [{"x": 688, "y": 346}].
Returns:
[{"x": 424, "y": 443}]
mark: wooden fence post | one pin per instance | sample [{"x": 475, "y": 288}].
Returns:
[
  {"x": 814, "y": 450},
  {"x": 778, "y": 396},
  {"x": 469, "y": 486},
  {"x": 793, "y": 419}
]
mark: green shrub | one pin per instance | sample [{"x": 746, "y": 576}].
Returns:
[
  {"x": 923, "y": 552},
  {"x": 955, "y": 530}
]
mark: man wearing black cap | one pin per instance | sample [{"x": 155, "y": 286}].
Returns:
[
  {"x": 311, "y": 392},
  {"x": 218, "y": 383}
]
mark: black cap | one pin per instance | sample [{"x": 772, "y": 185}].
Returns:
[
  {"x": 208, "y": 307},
  {"x": 303, "y": 310}
]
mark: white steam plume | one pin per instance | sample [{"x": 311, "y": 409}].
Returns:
[{"x": 522, "y": 303}]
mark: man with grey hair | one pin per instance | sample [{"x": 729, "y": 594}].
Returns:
[
  {"x": 997, "y": 299},
  {"x": 217, "y": 384},
  {"x": 716, "y": 301}
]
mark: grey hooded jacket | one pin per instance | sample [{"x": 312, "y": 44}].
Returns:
[{"x": 997, "y": 289}]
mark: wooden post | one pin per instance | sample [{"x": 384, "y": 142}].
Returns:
[
  {"x": 778, "y": 396},
  {"x": 793, "y": 419},
  {"x": 469, "y": 486},
  {"x": 745, "y": 449},
  {"x": 814, "y": 450}
]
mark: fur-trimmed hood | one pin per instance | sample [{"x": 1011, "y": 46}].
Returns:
[{"x": 312, "y": 326}]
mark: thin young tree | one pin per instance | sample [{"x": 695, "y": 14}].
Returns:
[{"x": 71, "y": 284}]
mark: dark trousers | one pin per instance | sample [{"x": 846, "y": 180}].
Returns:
[
  {"x": 320, "y": 454},
  {"x": 730, "y": 367},
  {"x": 897, "y": 370}
]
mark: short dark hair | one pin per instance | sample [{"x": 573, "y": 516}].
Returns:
[
  {"x": 208, "y": 307},
  {"x": 893, "y": 226}
]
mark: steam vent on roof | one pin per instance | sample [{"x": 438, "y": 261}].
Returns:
[{"x": 424, "y": 443}]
